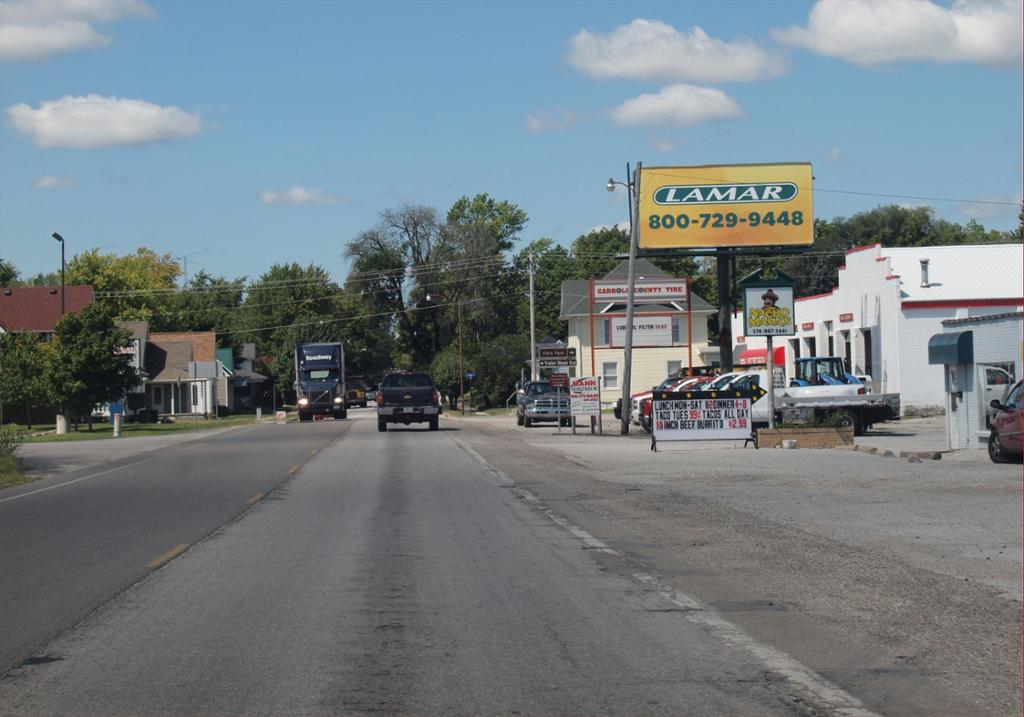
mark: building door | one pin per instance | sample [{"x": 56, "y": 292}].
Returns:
[{"x": 868, "y": 353}]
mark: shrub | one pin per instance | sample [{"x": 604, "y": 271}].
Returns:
[{"x": 10, "y": 439}]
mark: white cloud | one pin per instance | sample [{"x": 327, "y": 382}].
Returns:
[
  {"x": 678, "y": 105},
  {"x": 992, "y": 208},
  {"x": 301, "y": 196},
  {"x": 32, "y": 30},
  {"x": 664, "y": 145},
  {"x": 868, "y": 32},
  {"x": 93, "y": 121},
  {"x": 834, "y": 155},
  {"x": 654, "y": 50},
  {"x": 543, "y": 121},
  {"x": 48, "y": 182}
]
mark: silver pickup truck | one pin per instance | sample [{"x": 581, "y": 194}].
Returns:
[{"x": 539, "y": 402}]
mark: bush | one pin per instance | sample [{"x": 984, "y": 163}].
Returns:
[{"x": 10, "y": 439}]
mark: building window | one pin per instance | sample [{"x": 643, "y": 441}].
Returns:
[
  {"x": 195, "y": 396},
  {"x": 869, "y": 367},
  {"x": 610, "y": 374},
  {"x": 673, "y": 367},
  {"x": 158, "y": 397},
  {"x": 677, "y": 331},
  {"x": 606, "y": 324}
]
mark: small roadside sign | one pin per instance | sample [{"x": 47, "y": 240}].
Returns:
[
  {"x": 585, "y": 396},
  {"x": 556, "y": 363},
  {"x": 561, "y": 353},
  {"x": 702, "y": 415},
  {"x": 559, "y": 380}
]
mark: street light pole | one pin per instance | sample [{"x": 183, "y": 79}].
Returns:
[
  {"x": 59, "y": 238},
  {"x": 631, "y": 185}
]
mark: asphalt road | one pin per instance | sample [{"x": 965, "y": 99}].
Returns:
[
  {"x": 485, "y": 569},
  {"x": 79, "y": 537}
]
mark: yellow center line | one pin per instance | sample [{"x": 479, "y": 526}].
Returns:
[
  {"x": 255, "y": 498},
  {"x": 293, "y": 470},
  {"x": 168, "y": 556},
  {"x": 313, "y": 451}
]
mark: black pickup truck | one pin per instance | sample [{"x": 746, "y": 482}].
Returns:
[{"x": 407, "y": 397}]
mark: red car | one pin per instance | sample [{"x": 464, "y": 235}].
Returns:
[{"x": 1004, "y": 442}]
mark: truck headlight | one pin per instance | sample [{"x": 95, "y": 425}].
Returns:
[
  {"x": 337, "y": 399},
  {"x": 303, "y": 401}
]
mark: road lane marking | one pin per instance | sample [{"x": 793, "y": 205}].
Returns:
[
  {"x": 168, "y": 556},
  {"x": 293, "y": 470},
  {"x": 78, "y": 480},
  {"x": 811, "y": 687},
  {"x": 216, "y": 434},
  {"x": 255, "y": 498},
  {"x": 313, "y": 451}
]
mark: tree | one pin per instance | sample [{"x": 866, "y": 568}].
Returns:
[
  {"x": 87, "y": 363},
  {"x": 207, "y": 303},
  {"x": 134, "y": 286},
  {"x": 22, "y": 360},
  {"x": 8, "y": 273}
]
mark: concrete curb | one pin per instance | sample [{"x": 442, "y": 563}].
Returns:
[{"x": 910, "y": 456}]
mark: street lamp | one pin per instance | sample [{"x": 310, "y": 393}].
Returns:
[
  {"x": 631, "y": 186},
  {"x": 59, "y": 238}
]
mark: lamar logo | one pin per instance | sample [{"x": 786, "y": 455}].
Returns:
[{"x": 725, "y": 193}]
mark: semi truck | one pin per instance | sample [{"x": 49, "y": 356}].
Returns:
[{"x": 320, "y": 380}]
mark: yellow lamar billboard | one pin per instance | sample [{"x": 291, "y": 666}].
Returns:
[{"x": 726, "y": 206}]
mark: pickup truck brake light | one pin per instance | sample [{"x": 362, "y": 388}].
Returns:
[
  {"x": 380, "y": 398},
  {"x": 861, "y": 391},
  {"x": 435, "y": 399}
]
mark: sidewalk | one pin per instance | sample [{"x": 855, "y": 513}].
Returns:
[{"x": 909, "y": 435}]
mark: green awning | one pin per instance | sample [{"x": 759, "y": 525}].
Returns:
[{"x": 951, "y": 347}]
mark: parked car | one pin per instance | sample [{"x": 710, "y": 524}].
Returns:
[
  {"x": 1004, "y": 442},
  {"x": 539, "y": 401}
]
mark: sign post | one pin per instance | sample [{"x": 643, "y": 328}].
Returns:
[{"x": 769, "y": 311}]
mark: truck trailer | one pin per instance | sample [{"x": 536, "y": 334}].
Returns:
[{"x": 320, "y": 380}]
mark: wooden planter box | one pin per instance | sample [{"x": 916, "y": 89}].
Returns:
[{"x": 805, "y": 437}]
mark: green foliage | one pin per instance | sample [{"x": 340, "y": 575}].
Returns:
[
  {"x": 8, "y": 273},
  {"x": 84, "y": 365},
  {"x": 497, "y": 365},
  {"x": 10, "y": 439},
  {"x": 207, "y": 303},
  {"x": 140, "y": 284},
  {"x": 22, "y": 362}
]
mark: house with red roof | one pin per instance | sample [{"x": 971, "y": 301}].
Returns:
[{"x": 37, "y": 308}]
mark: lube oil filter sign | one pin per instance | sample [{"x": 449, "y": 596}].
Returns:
[{"x": 726, "y": 206}]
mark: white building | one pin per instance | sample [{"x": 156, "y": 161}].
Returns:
[
  {"x": 665, "y": 338},
  {"x": 890, "y": 302},
  {"x": 981, "y": 356}
]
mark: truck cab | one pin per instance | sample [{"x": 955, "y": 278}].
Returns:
[{"x": 320, "y": 381}]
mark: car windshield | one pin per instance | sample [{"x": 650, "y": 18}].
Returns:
[
  {"x": 535, "y": 389},
  {"x": 320, "y": 374},
  {"x": 407, "y": 380}
]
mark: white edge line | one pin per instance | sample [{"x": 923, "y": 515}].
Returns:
[
  {"x": 811, "y": 686},
  {"x": 101, "y": 473}
]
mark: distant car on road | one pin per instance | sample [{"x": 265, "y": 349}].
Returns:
[
  {"x": 539, "y": 401},
  {"x": 1004, "y": 442}
]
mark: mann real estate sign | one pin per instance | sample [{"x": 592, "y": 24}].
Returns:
[
  {"x": 726, "y": 206},
  {"x": 585, "y": 396}
]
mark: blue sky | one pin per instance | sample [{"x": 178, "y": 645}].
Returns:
[{"x": 249, "y": 133}]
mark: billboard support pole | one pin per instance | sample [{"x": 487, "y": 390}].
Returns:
[
  {"x": 724, "y": 312},
  {"x": 771, "y": 382},
  {"x": 634, "y": 213}
]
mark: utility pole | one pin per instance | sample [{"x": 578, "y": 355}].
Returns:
[
  {"x": 634, "y": 211},
  {"x": 533, "y": 323},
  {"x": 462, "y": 371}
]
